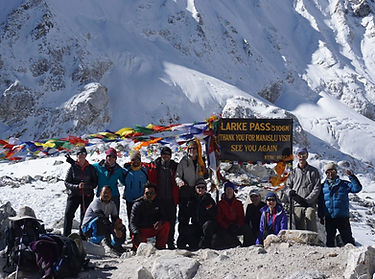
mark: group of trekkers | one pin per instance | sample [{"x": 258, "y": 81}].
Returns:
[
  {"x": 154, "y": 190},
  {"x": 152, "y": 193}
]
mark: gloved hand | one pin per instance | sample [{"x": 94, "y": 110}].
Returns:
[
  {"x": 137, "y": 239},
  {"x": 292, "y": 193},
  {"x": 69, "y": 159},
  {"x": 300, "y": 200}
]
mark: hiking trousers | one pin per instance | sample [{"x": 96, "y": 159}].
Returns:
[
  {"x": 161, "y": 235},
  {"x": 341, "y": 224},
  {"x": 305, "y": 218},
  {"x": 72, "y": 203}
]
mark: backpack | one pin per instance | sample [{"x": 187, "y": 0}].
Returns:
[
  {"x": 58, "y": 256},
  {"x": 19, "y": 235}
]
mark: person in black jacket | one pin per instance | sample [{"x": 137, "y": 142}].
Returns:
[
  {"x": 203, "y": 211},
  {"x": 80, "y": 182},
  {"x": 252, "y": 216},
  {"x": 147, "y": 219}
]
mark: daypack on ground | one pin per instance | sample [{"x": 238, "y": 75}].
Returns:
[
  {"x": 19, "y": 235},
  {"x": 57, "y": 256}
]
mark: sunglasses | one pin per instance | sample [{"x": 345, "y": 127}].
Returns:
[
  {"x": 271, "y": 200},
  {"x": 150, "y": 193},
  {"x": 200, "y": 187},
  {"x": 331, "y": 170},
  {"x": 302, "y": 154},
  {"x": 111, "y": 156}
]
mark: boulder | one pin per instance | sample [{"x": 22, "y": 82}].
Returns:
[
  {"x": 361, "y": 263},
  {"x": 174, "y": 267},
  {"x": 299, "y": 236},
  {"x": 6, "y": 211},
  {"x": 145, "y": 249},
  {"x": 143, "y": 273}
]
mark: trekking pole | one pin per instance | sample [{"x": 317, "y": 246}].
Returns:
[
  {"x": 19, "y": 251},
  {"x": 291, "y": 212}
]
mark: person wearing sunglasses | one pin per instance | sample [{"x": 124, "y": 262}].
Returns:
[
  {"x": 148, "y": 219},
  {"x": 110, "y": 174},
  {"x": 333, "y": 206},
  {"x": 303, "y": 187},
  {"x": 273, "y": 218}
]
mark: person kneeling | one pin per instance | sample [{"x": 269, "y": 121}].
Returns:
[
  {"x": 96, "y": 224},
  {"x": 147, "y": 220}
]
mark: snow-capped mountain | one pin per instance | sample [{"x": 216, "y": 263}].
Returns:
[{"x": 72, "y": 67}]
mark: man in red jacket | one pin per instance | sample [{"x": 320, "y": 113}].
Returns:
[{"x": 230, "y": 216}]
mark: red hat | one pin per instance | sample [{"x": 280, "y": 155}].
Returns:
[{"x": 111, "y": 151}]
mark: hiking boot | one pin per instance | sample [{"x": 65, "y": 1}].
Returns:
[{"x": 171, "y": 246}]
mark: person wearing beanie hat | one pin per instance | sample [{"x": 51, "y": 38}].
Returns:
[
  {"x": 136, "y": 176},
  {"x": 191, "y": 167},
  {"x": 273, "y": 218},
  {"x": 203, "y": 211},
  {"x": 303, "y": 188},
  {"x": 333, "y": 205},
  {"x": 80, "y": 181},
  {"x": 252, "y": 215},
  {"x": 231, "y": 217},
  {"x": 110, "y": 174},
  {"x": 161, "y": 172}
]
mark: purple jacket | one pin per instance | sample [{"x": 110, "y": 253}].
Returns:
[{"x": 280, "y": 222}]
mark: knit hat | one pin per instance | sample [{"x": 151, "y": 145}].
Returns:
[
  {"x": 135, "y": 155},
  {"x": 111, "y": 152},
  {"x": 200, "y": 181},
  {"x": 254, "y": 192},
  {"x": 82, "y": 150},
  {"x": 330, "y": 166},
  {"x": 302, "y": 150},
  {"x": 271, "y": 195},
  {"x": 24, "y": 213},
  {"x": 229, "y": 184},
  {"x": 166, "y": 150}
]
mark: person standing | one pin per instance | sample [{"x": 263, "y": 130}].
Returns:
[
  {"x": 147, "y": 219},
  {"x": 333, "y": 209},
  {"x": 253, "y": 213},
  {"x": 80, "y": 182},
  {"x": 303, "y": 186},
  {"x": 109, "y": 174},
  {"x": 161, "y": 172},
  {"x": 189, "y": 169},
  {"x": 273, "y": 218},
  {"x": 136, "y": 177}
]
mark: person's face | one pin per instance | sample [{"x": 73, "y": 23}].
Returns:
[
  {"x": 255, "y": 199},
  {"x": 201, "y": 189},
  {"x": 331, "y": 174},
  {"x": 165, "y": 157},
  {"x": 271, "y": 202},
  {"x": 81, "y": 157},
  {"x": 110, "y": 159},
  {"x": 136, "y": 162},
  {"x": 106, "y": 194},
  {"x": 302, "y": 157},
  {"x": 192, "y": 151},
  {"x": 229, "y": 192},
  {"x": 149, "y": 194}
]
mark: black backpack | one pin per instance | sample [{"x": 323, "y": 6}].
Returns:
[
  {"x": 66, "y": 261},
  {"x": 19, "y": 235}
]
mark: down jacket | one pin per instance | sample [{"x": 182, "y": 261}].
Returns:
[
  {"x": 334, "y": 199},
  {"x": 230, "y": 213},
  {"x": 76, "y": 174}
]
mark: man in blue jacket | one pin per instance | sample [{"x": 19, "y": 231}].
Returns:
[{"x": 333, "y": 209}]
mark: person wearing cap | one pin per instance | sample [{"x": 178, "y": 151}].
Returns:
[
  {"x": 161, "y": 172},
  {"x": 230, "y": 217},
  {"x": 273, "y": 218},
  {"x": 102, "y": 221},
  {"x": 203, "y": 225},
  {"x": 252, "y": 216},
  {"x": 80, "y": 182},
  {"x": 110, "y": 174},
  {"x": 148, "y": 220},
  {"x": 303, "y": 186},
  {"x": 333, "y": 209},
  {"x": 189, "y": 169},
  {"x": 136, "y": 176}
]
